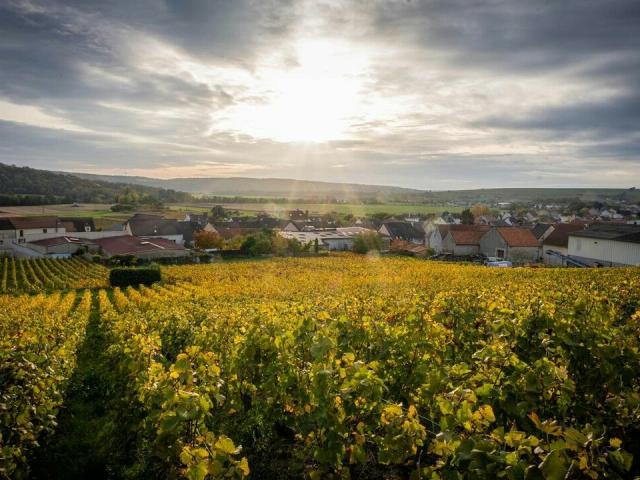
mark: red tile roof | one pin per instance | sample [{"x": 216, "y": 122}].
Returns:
[
  {"x": 130, "y": 245},
  {"x": 518, "y": 237},
  {"x": 449, "y": 227},
  {"x": 467, "y": 237}
]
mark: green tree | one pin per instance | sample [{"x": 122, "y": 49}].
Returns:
[
  {"x": 467, "y": 217},
  {"x": 365, "y": 242}
]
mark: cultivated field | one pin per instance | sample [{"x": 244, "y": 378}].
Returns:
[
  {"x": 41, "y": 274},
  {"x": 327, "y": 368}
]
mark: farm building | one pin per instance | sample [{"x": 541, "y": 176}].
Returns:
[
  {"x": 399, "y": 230},
  {"x": 555, "y": 246},
  {"x": 140, "y": 247},
  {"x": 606, "y": 245},
  {"x": 154, "y": 226},
  {"x": 463, "y": 240},
  {"x": 516, "y": 244},
  {"x": 327, "y": 239},
  {"x": 61, "y": 246}
]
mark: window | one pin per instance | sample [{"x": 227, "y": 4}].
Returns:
[
  {"x": 22, "y": 233},
  {"x": 500, "y": 252},
  {"x": 44, "y": 230}
]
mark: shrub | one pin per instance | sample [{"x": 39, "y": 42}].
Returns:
[
  {"x": 364, "y": 242},
  {"x": 124, "y": 277}
]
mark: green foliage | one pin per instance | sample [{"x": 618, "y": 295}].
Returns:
[
  {"x": 124, "y": 277},
  {"x": 467, "y": 217},
  {"x": 365, "y": 242},
  {"x": 28, "y": 186},
  {"x": 46, "y": 274}
]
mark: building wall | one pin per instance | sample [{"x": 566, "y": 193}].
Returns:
[
  {"x": 466, "y": 250},
  {"x": 490, "y": 242},
  {"x": 338, "y": 244},
  {"x": 606, "y": 252},
  {"x": 523, "y": 254},
  {"x": 434, "y": 241},
  {"x": 553, "y": 260},
  {"x": 448, "y": 244}
]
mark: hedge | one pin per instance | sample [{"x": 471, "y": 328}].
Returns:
[{"x": 124, "y": 277}]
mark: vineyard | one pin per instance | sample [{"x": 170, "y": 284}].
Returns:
[
  {"x": 45, "y": 274},
  {"x": 339, "y": 367}
]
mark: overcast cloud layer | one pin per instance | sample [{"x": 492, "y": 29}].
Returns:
[{"x": 433, "y": 94}]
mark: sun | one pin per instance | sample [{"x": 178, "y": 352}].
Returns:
[{"x": 314, "y": 101}]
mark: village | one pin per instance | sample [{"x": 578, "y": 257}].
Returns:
[{"x": 541, "y": 235}]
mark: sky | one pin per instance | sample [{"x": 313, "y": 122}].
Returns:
[{"x": 450, "y": 94}]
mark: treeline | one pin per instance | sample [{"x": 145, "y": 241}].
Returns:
[{"x": 28, "y": 186}]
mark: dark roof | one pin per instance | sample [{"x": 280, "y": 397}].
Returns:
[
  {"x": 79, "y": 223},
  {"x": 518, "y": 236},
  {"x": 402, "y": 230},
  {"x": 25, "y": 223},
  {"x": 611, "y": 231},
  {"x": 302, "y": 224},
  {"x": 5, "y": 224},
  {"x": 48, "y": 242},
  {"x": 539, "y": 229},
  {"x": 130, "y": 245},
  {"x": 188, "y": 229},
  {"x": 560, "y": 235},
  {"x": 149, "y": 227}
]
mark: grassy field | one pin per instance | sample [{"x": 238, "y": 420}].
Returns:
[
  {"x": 357, "y": 210},
  {"x": 104, "y": 217}
]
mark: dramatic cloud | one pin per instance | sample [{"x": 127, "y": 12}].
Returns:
[{"x": 428, "y": 94}]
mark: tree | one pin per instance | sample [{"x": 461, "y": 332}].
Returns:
[
  {"x": 204, "y": 239},
  {"x": 479, "y": 211},
  {"x": 467, "y": 217},
  {"x": 218, "y": 212},
  {"x": 365, "y": 242}
]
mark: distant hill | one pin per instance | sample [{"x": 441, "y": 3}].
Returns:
[
  {"x": 29, "y": 186},
  {"x": 350, "y": 192},
  {"x": 270, "y": 187}
]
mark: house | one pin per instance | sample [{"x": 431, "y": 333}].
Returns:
[
  {"x": 148, "y": 248},
  {"x": 201, "y": 222},
  {"x": 606, "y": 245},
  {"x": 307, "y": 225},
  {"x": 60, "y": 247},
  {"x": 25, "y": 226},
  {"x": 78, "y": 224},
  {"x": 154, "y": 226},
  {"x": 542, "y": 230},
  {"x": 435, "y": 240},
  {"x": 327, "y": 239},
  {"x": 516, "y": 244},
  {"x": 399, "y": 230},
  {"x": 463, "y": 240},
  {"x": 555, "y": 246}
]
